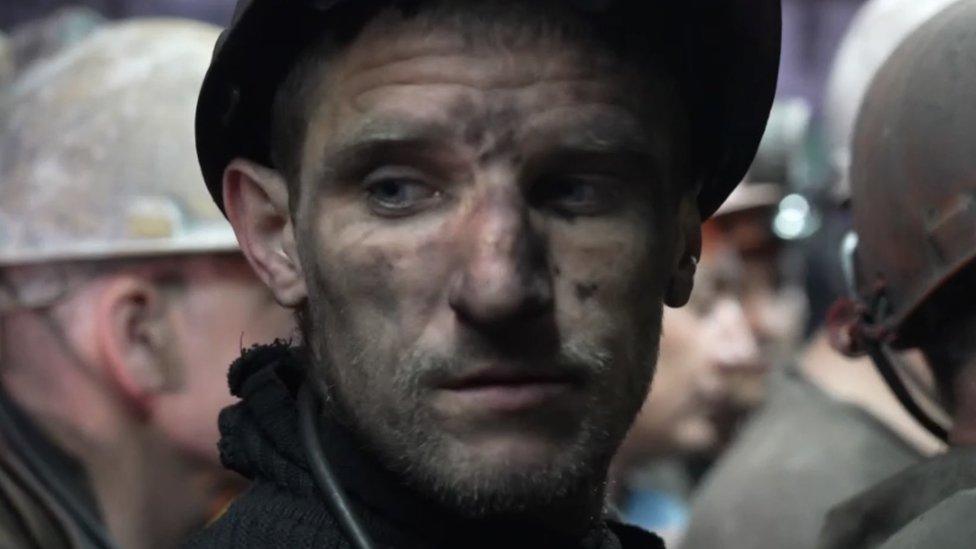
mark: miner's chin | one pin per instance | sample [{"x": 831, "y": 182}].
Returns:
[
  {"x": 564, "y": 442},
  {"x": 496, "y": 474},
  {"x": 511, "y": 447}
]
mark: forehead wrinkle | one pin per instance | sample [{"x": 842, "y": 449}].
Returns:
[
  {"x": 607, "y": 128},
  {"x": 559, "y": 92},
  {"x": 421, "y": 102},
  {"x": 451, "y": 103},
  {"x": 594, "y": 126},
  {"x": 488, "y": 72},
  {"x": 390, "y": 40},
  {"x": 390, "y": 129}
]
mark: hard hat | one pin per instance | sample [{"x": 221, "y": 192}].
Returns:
[
  {"x": 913, "y": 198},
  {"x": 769, "y": 173},
  {"x": 913, "y": 173},
  {"x": 783, "y": 141},
  {"x": 875, "y": 32},
  {"x": 726, "y": 54},
  {"x": 96, "y": 149}
]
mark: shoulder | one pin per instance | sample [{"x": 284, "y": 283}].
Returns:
[
  {"x": 949, "y": 525},
  {"x": 798, "y": 456},
  {"x": 936, "y": 486},
  {"x": 26, "y": 517}
]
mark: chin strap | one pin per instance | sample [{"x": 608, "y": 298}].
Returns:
[
  {"x": 853, "y": 333},
  {"x": 887, "y": 370},
  {"x": 325, "y": 479}
]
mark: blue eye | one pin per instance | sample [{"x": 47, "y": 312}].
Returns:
[
  {"x": 576, "y": 192},
  {"x": 397, "y": 195}
]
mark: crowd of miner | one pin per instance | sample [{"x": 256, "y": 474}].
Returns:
[
  {"x": 830, "y": 427},
  {"x": 475, "y": 220}
]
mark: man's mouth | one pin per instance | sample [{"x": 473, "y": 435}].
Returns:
[{"x": 506, "y": 390}]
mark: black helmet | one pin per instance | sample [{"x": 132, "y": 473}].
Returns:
[{"x": 725, "y": 54}]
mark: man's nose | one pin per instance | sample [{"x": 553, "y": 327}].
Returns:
[
  {"x": 503, "y": 275},
  {"x": 736, "y": 347}
]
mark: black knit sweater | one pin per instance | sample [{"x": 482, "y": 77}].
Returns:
[{"x": 260, "y": 439}]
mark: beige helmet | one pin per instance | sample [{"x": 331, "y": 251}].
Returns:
[
  {"x": 97, "y": 155},
  {"x": 877, "y": 29}
]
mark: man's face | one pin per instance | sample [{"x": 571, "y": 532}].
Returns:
[
  {"x": 224, "y": 308},
  {"x": 750, "y": 255},
  {"x": 710, "y": 371},
  {"x": 487, "y": 235}
]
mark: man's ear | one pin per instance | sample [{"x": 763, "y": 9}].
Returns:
[
  {"x": 132, "y": 340},
  {"x": 688, "y": 252},
  {"x": 256, "y": 202}
]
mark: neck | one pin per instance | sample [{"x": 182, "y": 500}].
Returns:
[
  {"x": 576, "y": 515},
  {"x": 150, "y": 496},
  {"x": 858, "y": 383}
]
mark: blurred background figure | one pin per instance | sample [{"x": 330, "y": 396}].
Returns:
[
  {"x": 746, "y": 314},
  {"x": 913, "y": 268},
  {"x": 831, "y": 426},
  {"x": 122, "y": 295}
]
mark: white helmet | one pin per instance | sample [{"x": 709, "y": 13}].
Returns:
[
  {"x": 878, "y": 28},
  {"x": 97, "y": 155}
]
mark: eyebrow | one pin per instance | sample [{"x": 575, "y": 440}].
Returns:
[
  {"x": 382, "y": 135},
  {"x": 601, "y": 141},
  {"x": 599, "y": 135}
]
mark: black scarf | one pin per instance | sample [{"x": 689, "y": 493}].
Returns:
[{"x": 260, "y": 439}]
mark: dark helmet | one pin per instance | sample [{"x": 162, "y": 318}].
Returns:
[
  {"x": 913, "y": 189},
  {"x": 914, "y": 171},
  {"x": 726, "y": 54}
]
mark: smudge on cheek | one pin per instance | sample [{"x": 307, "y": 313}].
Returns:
[{"x": 585, "y": 290}]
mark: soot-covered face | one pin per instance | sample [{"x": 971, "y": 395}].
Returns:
[{"x": 487, "y": 230}]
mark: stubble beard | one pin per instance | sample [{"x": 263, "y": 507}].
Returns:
[{"x": 405, "y": 437}]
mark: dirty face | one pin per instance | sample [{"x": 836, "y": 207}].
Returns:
[{"x": 487, "y": 235}]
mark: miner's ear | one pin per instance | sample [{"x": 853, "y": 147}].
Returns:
[
  {"x": 130, "y": 338},
  {"x": 256, "y": 202},
  {"x": 687, "y": 253}
]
